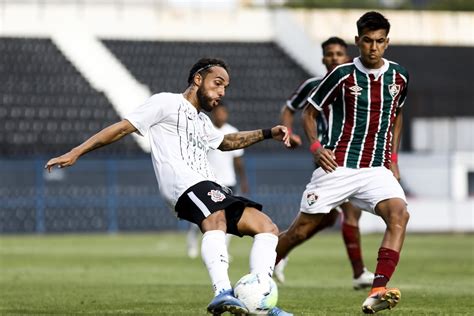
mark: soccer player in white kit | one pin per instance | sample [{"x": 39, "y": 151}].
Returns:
[
  {"x": 180, "y": 136},
  {"x": 225, "y": 165}
]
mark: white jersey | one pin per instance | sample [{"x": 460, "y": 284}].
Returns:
[
  {"x": 222, "y": 162},
  {"x": 180, "y": 138}
]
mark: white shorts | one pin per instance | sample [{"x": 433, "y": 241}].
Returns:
[{"x": 364, "y": 187}]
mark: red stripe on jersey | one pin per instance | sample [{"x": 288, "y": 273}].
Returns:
[
  {"x": 326, "y": 112},
  {"x": 343, "y": 142},
  {"x": 388, "y": 145},
  {"x": 374, "y": 121}
]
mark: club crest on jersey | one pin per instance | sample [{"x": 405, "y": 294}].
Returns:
[
  {"x": 311, "y": 198},
  {"x": 216, "y": 195},
  {"x": 355, "y": 90},
  {"x": 394, "y": 89}
]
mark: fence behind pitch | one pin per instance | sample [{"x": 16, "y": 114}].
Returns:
[{"x": 99, "y": 195}]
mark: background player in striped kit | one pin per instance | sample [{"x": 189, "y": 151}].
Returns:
[
  {"x": 334, "y": 54},
  {"x": 365, "y": 98},
  {"x": 180, "y": 136},
  {"x": 226, "y": 165}
]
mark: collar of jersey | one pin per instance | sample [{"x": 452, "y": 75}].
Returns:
[
  {"x": 365, "y": 70},
  {"x": 190, "y": 105}
]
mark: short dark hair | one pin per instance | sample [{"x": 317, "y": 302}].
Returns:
[
  {"x": 333, "y": 40},
  {"x": 372, "y": 21},
  {"x": 203, "y": 66}
]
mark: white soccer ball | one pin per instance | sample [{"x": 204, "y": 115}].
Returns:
[{"x": 258, "y": 292}]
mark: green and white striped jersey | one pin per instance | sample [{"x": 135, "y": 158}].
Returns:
[
  {"x": 362, "y": 107},
  {"x": 299, "y": 99}
]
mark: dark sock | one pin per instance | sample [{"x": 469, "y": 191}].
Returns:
[
  {"x": 387, "y": 261},
  {"x": 351, "y": 236}
]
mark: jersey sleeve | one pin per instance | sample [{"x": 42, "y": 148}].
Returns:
[
  {"x": 215, "y": 136},
  {"x": 326, "y": 92},
  {"x": 404, "y": 92},
  {"x": 149, "y": 113},
  {"x": 297, "y": 101},
  {"x": 237, "y": 153}
]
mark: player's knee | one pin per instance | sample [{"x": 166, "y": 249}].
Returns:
[
  {"x": 215, "y": 221},
  {"x": 271, "y": 228},
  {"x": 268, "y": 228},
  {"x": 399, "y": 215},
  {"x": 406, "y": 215},
  {"x": 264, "y": 224}
]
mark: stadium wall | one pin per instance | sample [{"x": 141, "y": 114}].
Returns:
[{"x": 110, "y": 195}]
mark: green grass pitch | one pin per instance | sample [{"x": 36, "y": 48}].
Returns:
[{"x": 150, "y": 274}]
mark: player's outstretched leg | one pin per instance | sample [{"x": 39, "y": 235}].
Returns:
[
  {"x": 262, "y": 255},
  {"x": 214, "y": 255},
  {"x": 303, "y": 228},
  {"x": 395, "y": 214}
]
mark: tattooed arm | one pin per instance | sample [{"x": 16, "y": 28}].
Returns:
[{"x": 244, "y": 139}]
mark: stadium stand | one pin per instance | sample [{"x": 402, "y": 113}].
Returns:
[
  {"x": 262, "y": 75},
  {"x": 47, "y": 106}
]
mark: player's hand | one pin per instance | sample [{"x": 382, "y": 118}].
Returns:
[
  {"x": 281, "y": 133},
  {"x": 395, "y": 170},
  {"x": 63, "y": 161},
  {"x": 325, "y": 159},
  {"x": 295, "y": 141}
]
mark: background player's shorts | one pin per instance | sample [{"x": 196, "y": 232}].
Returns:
[
  {"x": 207, "y": 197},
  {"x": 364, "y": 187}
]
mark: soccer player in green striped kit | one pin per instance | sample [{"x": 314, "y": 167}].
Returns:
[
  {"x": 357, "y": 156},
  {"x": 334, "y": 54}
]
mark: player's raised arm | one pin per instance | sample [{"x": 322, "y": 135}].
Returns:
[
  {"x": 106, "y": 136},
  {"x": 244, "y": 139}
]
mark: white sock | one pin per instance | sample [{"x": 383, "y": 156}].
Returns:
[
  {"x": 228, "y": 238},
  {"x": 215, "y": 257},
  {"x": 263, "y": 254}
]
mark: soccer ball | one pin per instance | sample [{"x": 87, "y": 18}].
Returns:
[{"x": 258, "y": 292}]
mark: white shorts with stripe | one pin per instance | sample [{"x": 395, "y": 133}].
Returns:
[{"x": 364, "y": 187}]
